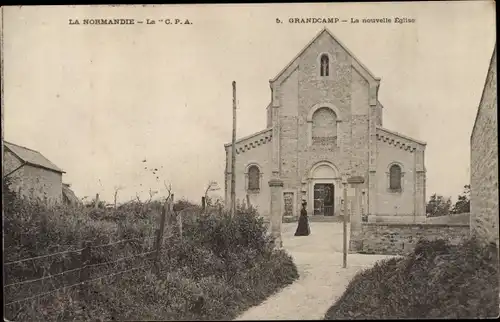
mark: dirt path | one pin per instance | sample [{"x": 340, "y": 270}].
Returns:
[{"x": 322, "y": 278}]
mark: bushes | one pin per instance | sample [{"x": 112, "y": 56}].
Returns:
[
  {"x": 227, "y": 264},
  {"x": 220, "y": 267},
  {"x": 437, "y": 280}
]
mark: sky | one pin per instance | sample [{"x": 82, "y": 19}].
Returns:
[{"x": 98, "y": 100}]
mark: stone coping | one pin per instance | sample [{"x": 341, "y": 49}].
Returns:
[{"x": 413, "y": 224}]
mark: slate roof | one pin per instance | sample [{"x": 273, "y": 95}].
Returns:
[{"x": 32, "y": 157}]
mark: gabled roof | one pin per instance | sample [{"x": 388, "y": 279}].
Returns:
[
  {"x": 400, "y": 136},
  {"x": 31, "y": 157},
  {"x": 325, "y": 30},
  {"x": 70, "y": 195},
  {"x": 249, "y": 137}
]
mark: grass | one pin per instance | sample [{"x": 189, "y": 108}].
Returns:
[
  {"x": 218, "y": 269},
  {"x": 437, "y": 280}
]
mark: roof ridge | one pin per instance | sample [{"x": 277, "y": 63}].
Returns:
[
  {"x": 275, "y": 78},
  {"x": 32, "y": 157},
  {"x": 20, "y": 146},
  {"x": 402, "y": 136},
  {"x": 351, "y": 54},
  {"x": 341, "y": 44},
  {"x": 250, "y": 136}
]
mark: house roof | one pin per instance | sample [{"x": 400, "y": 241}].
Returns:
[
  {"x": 325, "y": 30},
  {"x": 32, "y": 157},
  {"x": 70, "y": 194}
]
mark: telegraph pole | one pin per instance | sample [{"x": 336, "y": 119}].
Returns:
[{"x": 233, "y": 156}]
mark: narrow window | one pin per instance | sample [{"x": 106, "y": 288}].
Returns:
[
  {"x": 325, "y": 68},
  {"x": 395, "y": 177},
  {"x": 253, "y": 178}
]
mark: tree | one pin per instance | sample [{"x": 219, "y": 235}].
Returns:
[
  {"x": 211, "y": 186},
  {"x": 117, "y": 189},
  {"x": 463, "y": 203},
  {"x": 168, "y": 189},
  {"x": 438, "y": 206}
]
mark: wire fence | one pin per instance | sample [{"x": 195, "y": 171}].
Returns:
[
  {"x": 78, "y": 269},
  {"x": 77, "y": 250},
  {"x": 83, "y": 260},
  {"x": 43, "y": 256},
  {"x": 84, "y": 257},
  {"x": 73, "y": 285},
  {"x": 85, "y": 265}
]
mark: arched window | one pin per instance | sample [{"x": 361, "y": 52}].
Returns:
[
  {"x": 395, "y": 177},
  {"x": 325, "y": 65},
  {"x": 324, "y": 126},
  {"x": 253, "y": 178}
]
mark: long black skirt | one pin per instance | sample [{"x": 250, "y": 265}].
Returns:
[{"x": 303, "y": 227}]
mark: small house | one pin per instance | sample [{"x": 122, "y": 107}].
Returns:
[{"x": 31, "y": 174}]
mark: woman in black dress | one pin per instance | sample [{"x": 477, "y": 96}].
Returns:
[{"x": 303, "y": 227}]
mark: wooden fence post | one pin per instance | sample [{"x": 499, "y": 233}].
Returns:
[
  {"x": 180, "y": 223},
  {"x": 170, "y": 213},
  {"x": 156, "y": 244},
  {"x": 84, "y": 272},
  {"x": 159, "y": 236},
  {"x": 96, "y": 205},
  {"x": 178, "y": 216},
  {"x": 203, "y": 203}
]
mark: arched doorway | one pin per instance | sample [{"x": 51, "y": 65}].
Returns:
[{"x": 323, "y": 197}]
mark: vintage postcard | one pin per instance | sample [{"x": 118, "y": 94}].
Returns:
[{"x": 250, "y": 161}]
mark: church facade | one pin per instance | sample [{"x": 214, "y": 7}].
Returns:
[{"x": 324, "y": 123}]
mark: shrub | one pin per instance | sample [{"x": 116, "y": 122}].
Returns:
[
  {"x": 437, "y": 280},
  {"x": 220, "y": 267}
]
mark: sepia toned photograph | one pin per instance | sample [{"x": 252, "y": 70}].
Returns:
[{"x": 319, "y": 161}]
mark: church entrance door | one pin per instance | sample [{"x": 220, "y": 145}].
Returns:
[{"x": 324, "y": 196}]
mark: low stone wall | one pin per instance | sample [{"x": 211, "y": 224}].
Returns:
[
  {"x": 409, "y": 219},
  {"x": 400, "y": 239}
]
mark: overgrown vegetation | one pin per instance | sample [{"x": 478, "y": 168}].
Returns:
[
  {"x": 437, "y": 280},
  {"x": 463, "y": 202},
  {"x": 439, "y": 205},
  {"x": 220, "y": 267}
]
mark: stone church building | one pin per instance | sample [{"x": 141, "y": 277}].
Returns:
[{"x": 324, "y": 122}]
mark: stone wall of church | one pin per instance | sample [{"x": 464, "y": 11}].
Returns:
[
  {"x": 484, "y": 162},
  {"x": 378, "y": 114},
  {"x": 289, "y": 139},
  {"x": 304, "y": 89},
  {"x": 269, "y": 116},
  {"x": 395, "y": 203},
  {"x": 259, "y": 155}
]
